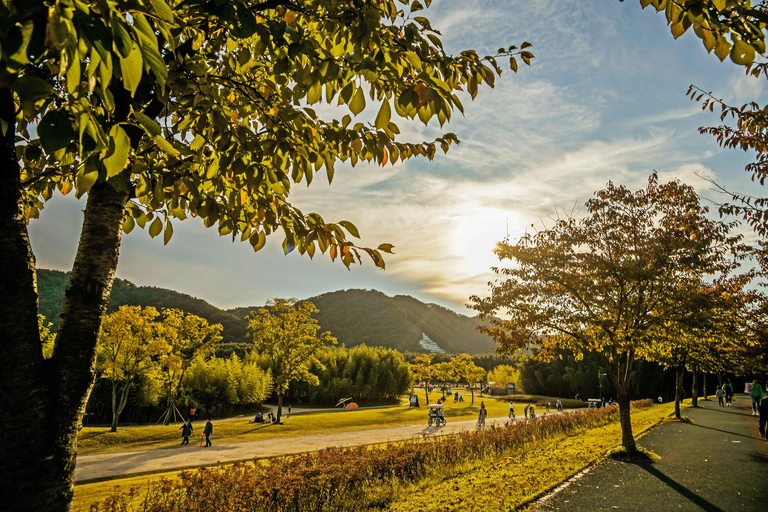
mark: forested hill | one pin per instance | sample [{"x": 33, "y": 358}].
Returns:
[
  {"x": 400, "y": 322},
  {"x": 52, "y": 283},
  {"x": 353, "y": 316}
]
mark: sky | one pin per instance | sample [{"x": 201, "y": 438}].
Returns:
[{"x": 605, "y": 99}]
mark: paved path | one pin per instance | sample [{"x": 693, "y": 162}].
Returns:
[
  {"x": 719, "y": 463},
  {"x": 115, "y": 465}
]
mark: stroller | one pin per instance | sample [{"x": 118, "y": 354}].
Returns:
[{"x": 436, "y": 416}]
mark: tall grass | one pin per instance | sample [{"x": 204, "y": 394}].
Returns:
[{"x": 336, "y": 479}]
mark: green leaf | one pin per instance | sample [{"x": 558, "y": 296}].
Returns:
[
  {"x": 357, "y": 104},
  {"x": 168, "y": 232},
  {"x": 742, "y": 53},
  {"x": 384, "y": 115},
  {"x": 155, "y": 227},
  {"x": 386, "y": 248},
  {"x": 132, "y": 68},
  {"x": 350, "y": 227},
  {"x": 258, "y": 240},
  {"x": 55, "y": 131},
  {"x": 722, "y": 48},
  {"x": 150, "y": 126},
  {"x": 121, "y": 36},
  {"x": 128, "y": 224},
  {"x": 116, "y": 156},
  {"x": 85, "y": 178},
  {"x": 32, "y": 88},
  {"x": 162, "y": 10}
]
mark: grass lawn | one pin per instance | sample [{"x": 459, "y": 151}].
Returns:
[
  {"x": 95, "y": 440},
  {"x": 513, "y": 481}
]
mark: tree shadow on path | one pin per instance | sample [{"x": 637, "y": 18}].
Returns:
[
  {"x": 721, "y": 430},
  {"x": 681, "y": 489}
]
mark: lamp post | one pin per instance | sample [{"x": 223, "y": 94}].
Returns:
[{"x": 600, "y": 376}]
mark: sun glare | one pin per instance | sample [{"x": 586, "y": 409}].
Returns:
[{"x": 475, "y": 235}]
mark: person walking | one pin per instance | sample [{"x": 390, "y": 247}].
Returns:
[
  {"x": 186, "y": 431},
  {"x": 559, "y": 405},
  {"x": 728, "y": 392},
  {"x": 533, "y": 413},
  {"x": 547, "y": 407},
  {"x": 720, "y": 394},
  {"x": 208, "y": 430},
  {"x": 511, "y": 410},
  {"x": 525, "y": 410},
  {"x": 757, "y": 395},
  {"x": 764, "y": 416},
  {"x": 481, "y": 418}
]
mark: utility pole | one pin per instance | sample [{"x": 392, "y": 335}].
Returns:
[{"x": 600, "y": 376}]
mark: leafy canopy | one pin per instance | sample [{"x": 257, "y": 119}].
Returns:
[
  {"x": 608, "y": 281},
  {"x": 205, "y": 109},
  {"x": 285, "y": 333}
]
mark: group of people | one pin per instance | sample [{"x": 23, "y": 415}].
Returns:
[
  {"x": 530, "y": 412},
  {"x": 558, "y": 405},
  {"x": 187, "y": 429},
  {"x": 260, "y": 418},
  {"x": 724, "y": 394}
]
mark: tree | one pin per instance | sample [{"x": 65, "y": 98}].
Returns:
[
  {"x": 47, "y": 337},
  {"x": 423, "y": 372},
  {"x": 160, "y": 112},
  {"x": 606, "y": 282},
  {"x": 189, "y": 337},
  {"x": 445, "y": 372},
  {"x": 129, "y": 341},
  {"x": 505, "y": 374},
  {"x": 465, "y": 368},
  {"x": 285, "y": 333}
]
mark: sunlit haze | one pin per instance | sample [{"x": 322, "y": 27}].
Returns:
[{"x": 604, "y": 100}]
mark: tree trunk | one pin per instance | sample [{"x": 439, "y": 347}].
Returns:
[
  {"x": 426, "y": 392},
  {"x": 117, "y": 407},
  {"x": 279, "y": 408},
  {"x": 695, "y": 390},
  {"x": 627, "y": 438},
  {"x": 679, "y": 389},
  {"x": 471, "y": 390},
  {"x": 29, "y": 478},
  {"x": 114, "y": 407},
  {"x": 43, "y": 402},
  {"x": 704, "y": 385}
]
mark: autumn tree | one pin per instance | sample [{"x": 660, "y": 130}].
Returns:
[
  {"x": 157, "y": 112},
  {"x": 129, "y": 340},
  {"x": 465, "y": 368},
  {"x": 189, "y": 337},
  {"x": 285, "y": 334},
  {"x": 47, "y": 338},
  {"x": 423, "y": 371},
  {"x": 505, "y": 374},
  {"x": 607, "y": 281}
]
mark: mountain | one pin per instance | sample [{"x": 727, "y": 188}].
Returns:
[
  {"x": 400, "y": 322},
  {"x": 52, "y": 283},
  {"x": 354, "y": 317}
]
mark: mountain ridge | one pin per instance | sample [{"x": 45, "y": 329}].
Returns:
[{"x": 354, "y": 316}]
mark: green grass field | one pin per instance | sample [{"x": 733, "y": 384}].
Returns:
[{"x": 95, "y": 440}]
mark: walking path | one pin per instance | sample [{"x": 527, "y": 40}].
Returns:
[
  {"x": 115, "y": 465},
  {"x": 719, "y": 463}
]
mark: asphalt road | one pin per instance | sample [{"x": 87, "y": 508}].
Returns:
[{"x": 719, "y": 463}]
